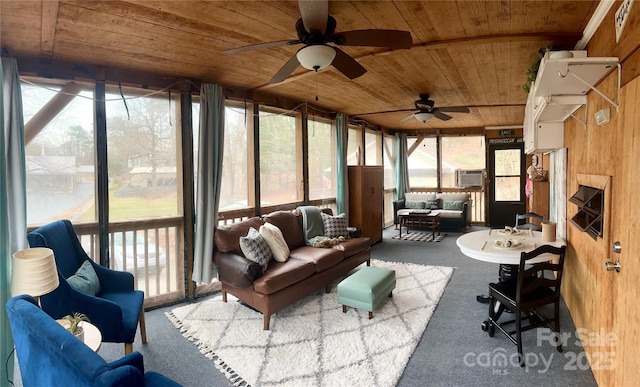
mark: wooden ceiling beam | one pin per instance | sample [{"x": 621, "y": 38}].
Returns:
[
  {"x": 49, "y": 111},
  {"x": 48, "y": 29}
]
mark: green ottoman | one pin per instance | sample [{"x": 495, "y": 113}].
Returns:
[{"x": 366, "y": 288}]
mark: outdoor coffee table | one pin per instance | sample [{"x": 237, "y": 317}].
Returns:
[{"x": 420, "y": 219}]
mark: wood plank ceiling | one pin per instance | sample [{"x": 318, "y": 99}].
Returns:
[{"x": 465, "y": 53}]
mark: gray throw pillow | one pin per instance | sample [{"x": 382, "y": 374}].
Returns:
[
  {"x": 85, "y": 280},
  {"x": 255, "y": 248},
  {"x": 433, "y": 204},
  {"x": 335, "y": 226}
]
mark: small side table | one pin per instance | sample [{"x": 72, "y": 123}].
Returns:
[{"x": 92, "y": 335}]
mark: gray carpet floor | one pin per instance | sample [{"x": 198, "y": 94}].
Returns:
[{"x": 453, "y": 351}]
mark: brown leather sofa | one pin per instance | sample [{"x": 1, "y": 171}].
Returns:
[{"x": 282, "y": 283}]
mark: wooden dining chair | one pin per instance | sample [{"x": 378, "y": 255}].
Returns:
[
  {"x": 524, "y": 221},
  {"x": 537, "y": 284}
]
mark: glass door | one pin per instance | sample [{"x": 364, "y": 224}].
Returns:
[{"x": 506, "y": 183}]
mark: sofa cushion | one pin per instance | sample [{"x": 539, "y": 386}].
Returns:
[
  {"x": 449, "y": 214},
  {"x": 321, "y": 257},
  {"x": 419, "y": 196},
  {"x": 255, "y": 248},
  {"x": 273, "y": 236},
  {"x": 290, "y": 224},
  {"x": 353, "y": 246},
  {"x": 283, "y": 274},
  {"x": 227, "y": 237},
  {"x": 450, "y": 197},
  {"x": 335, "y": 226},
  {"x": 453, "y": 205}
]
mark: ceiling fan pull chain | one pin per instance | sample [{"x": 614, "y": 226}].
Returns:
[{"x": 316, "y": 85}]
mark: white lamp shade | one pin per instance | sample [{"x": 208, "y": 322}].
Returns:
[
  {"x": 316, "y": 57},
  {"x": 34, "y": 272},
  {"x": 423, "y": 116}
]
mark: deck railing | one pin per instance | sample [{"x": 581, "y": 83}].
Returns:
[{"x": 156, "y": 244}]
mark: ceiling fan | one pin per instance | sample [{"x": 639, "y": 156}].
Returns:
[
  {"x": 426, "y": 110},
  {"x": 316, "y": 29}
]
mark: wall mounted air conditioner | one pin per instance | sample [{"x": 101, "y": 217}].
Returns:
[{"x": 469, "y": 178}]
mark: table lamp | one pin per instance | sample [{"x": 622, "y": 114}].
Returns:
[{"x": 34, "y": 272}]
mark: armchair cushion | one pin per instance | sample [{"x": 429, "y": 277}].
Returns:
[{"x": 85, "y": 280}]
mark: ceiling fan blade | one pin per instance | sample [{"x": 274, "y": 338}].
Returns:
[
  {"x": 347, "y": 65},
  {"x": 393, "y": 39},
  {"x": 285, "y": 70},
  {"x": 408, "y": 117},
  {"x": 454, "y": 109},
  {"x": 314, "y": 14},
  {"x": 260, "y": 46},
  {"x": 440, "y": 115}
]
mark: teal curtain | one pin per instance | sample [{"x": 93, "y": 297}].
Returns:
[
  {"x": 13, "y": 208},
  {"x": 342, "y": 172},
  {"x": 402, "y": 167},
  {"x": 210, "y": 154}
]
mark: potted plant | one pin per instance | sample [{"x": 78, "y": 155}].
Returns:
[
  {"x": 74, "y": 321},
  {"x": 532, "y": 71}
]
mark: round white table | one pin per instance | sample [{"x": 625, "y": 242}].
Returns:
[
  {"x": 92, "y": 335},
  {"x": 481, "y": 245}
]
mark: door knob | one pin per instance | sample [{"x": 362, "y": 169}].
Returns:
[{"x": 612, "y": 266}]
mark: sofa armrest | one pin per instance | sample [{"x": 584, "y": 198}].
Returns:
[
  {"x": 466, "y": 215},
  {"x": 397, "y": 205},
  {"x": 354, "y": 232},
  {"x": 235, "y": 270}
]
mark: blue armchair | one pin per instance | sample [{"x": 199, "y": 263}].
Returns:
[
  {"x": 115, "y": 309},
  {"x": 48, "y": 355}
]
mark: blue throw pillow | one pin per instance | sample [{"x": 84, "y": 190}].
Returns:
[
  {"x": 454, "y": 205},
  {"x": 414, "y": 204},
  {"x": 85, "y": 280}
]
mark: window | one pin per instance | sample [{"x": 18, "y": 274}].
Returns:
[
  {"x": 354, "y": 148},
  {"x": 389, "y": 156},
  {"x": 322, "y": 159},
  {"x": 507, "y": 175},
  {"x": 234, "y": 192},
  {"x": 280, "y": 158},
  {"x": 60, "y": 157},
  {"x": 422, "y": 162},
  {"x": 373, "y": 145},
  {"x": 461, "y": 153},
  {"x": 142, "y": 156}
]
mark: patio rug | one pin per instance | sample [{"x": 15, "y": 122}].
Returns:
[
  {"x": 419, "y": 236},
  {"x": 312, "y": 343}
]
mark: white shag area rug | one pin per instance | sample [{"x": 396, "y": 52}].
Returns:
[{"x": 312, "y": 342}]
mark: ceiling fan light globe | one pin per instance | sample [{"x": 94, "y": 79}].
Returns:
[
  {"x": 423, "y": 116},
  {"x": 316, "y": 57}
]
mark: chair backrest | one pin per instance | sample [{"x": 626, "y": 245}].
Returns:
[
  {"x": 523, "y": 221},
  {"x": 60, "y": 237},
  {"x": 48, "y": 355},
  {"x": 539, "y": 283}
]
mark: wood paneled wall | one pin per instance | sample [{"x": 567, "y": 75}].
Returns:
[{"x": 603, "y": 303}]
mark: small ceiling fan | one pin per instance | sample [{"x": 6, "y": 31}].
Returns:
[
  {"x": 426, "y": 110},
  {"x": 316, "y": 29}
]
